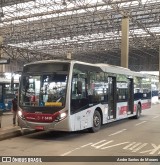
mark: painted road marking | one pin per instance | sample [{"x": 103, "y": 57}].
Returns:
[
  {"x": 126, "y": 147},
  {"x": 114, "y": 145},
  {"x": 93, "y": 145},
  {"x": 67, "y": 153},
  {"x": 140, "y": 147},
  {"x": 130, "y": 146},
  {"x": 156, "y": 117},
  {"x": 117, "y": 132},
  {"x": 86, "y": 145},
  {"x": 134, "y": 146},
  {"x": 152, "y": 151},
  {"x": 97, "y": 147},
  {"x": 141, "y": 123}
]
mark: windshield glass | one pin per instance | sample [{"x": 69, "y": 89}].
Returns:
[{"x": 44, "y": 89}]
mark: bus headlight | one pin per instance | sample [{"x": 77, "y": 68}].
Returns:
[
  {"x": 20, "y": 114},
  {"x": 61, "y": 116}
]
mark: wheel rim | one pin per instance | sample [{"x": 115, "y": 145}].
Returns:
[{"x": 96, "y": 121}]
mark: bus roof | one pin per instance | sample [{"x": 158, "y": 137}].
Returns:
[
  {"x": 48, "y": 61},
  {"x": 105, "y": 67}
]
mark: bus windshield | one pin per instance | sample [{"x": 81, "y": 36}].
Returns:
[{"x": 44, "y": 89}]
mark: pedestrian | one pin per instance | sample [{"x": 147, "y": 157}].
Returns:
[{"x": 14, "y": 109}]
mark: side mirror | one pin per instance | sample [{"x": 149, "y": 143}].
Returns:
[{"x": 79, "y": 87}]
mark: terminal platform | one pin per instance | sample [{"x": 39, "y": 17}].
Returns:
[{"x": 7, "y": 129}]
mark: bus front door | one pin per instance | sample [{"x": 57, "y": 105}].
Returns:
[
  {"x": 130, "y": 96},
  {"x": 112, "y": 102}
]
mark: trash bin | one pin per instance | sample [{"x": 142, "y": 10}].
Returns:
[{"x": 1, "y": 113}]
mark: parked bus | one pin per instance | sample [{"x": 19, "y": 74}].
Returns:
[
  {"x": 71, "y": 95},
  {"x": 7, "y": 93}
]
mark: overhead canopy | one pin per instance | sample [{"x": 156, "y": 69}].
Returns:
[{"x": 88, "y": 29}]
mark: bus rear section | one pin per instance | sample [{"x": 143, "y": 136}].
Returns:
[{"x": 7, "y": 93}]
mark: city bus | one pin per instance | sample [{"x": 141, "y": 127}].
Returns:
[
  {"x": 7, "y": 93},
  {"x": 68, "y": 95}
]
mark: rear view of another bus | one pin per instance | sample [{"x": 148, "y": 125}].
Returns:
[{"x": 7, "y": 93}]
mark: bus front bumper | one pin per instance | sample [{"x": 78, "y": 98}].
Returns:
[{"x": 36, "y": 126}]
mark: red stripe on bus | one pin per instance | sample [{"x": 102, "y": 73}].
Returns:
[
  {"x": 34, "y": 117},
  {"x": 146, "y": 105},
  {"x": 123, "y": 109}
]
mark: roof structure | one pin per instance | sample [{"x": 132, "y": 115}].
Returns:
[{"x": 89, "y": 30}]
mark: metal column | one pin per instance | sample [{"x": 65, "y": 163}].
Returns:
[
  {"x": 159, "y": 67},
  {"x": 125, "y": 42},
  {"x": 2, "y": 67}
]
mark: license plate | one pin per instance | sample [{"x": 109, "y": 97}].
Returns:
[{"x": 39, "y": 128}]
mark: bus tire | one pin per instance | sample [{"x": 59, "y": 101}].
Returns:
[
  {"x": 96, "y": 122},
  {"x": 138, "y": 114}
]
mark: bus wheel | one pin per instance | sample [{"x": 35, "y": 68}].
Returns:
[
  {"x": 138, "y": 112},
  {"x": 96, "y": 122}
]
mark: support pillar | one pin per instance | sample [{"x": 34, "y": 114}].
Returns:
[
  {"x": 2, "y": 67},
  {"x": 125, "y": 42},
  {"x": 159, "y": 69}
]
